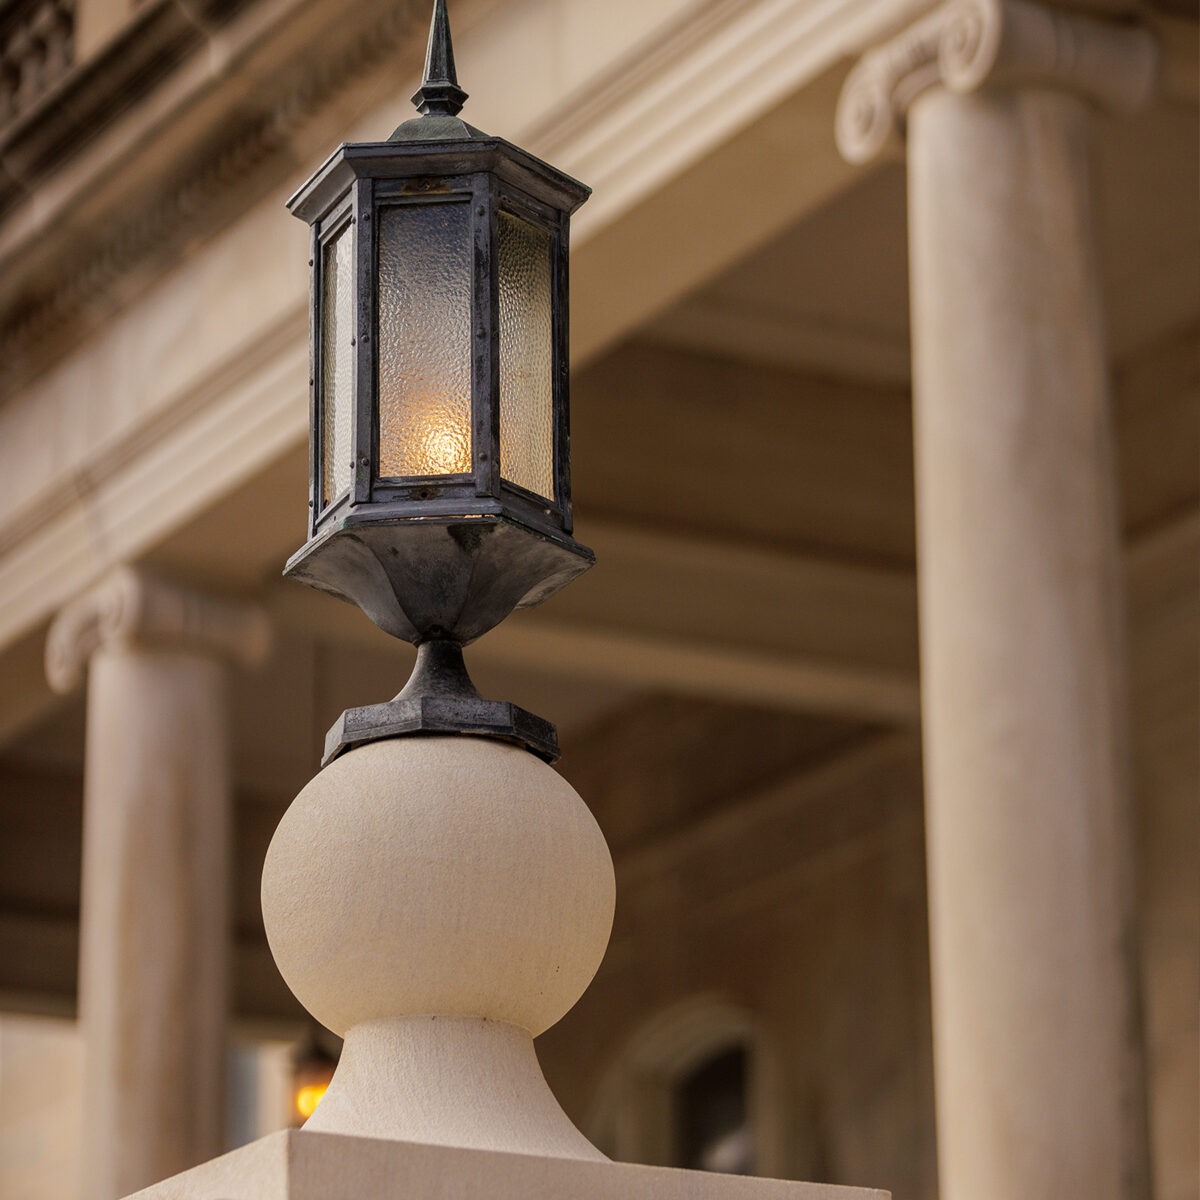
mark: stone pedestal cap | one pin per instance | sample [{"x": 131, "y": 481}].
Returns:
[{"x": 448, "y": 876}]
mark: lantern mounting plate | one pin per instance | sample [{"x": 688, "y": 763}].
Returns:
[
  {"x": 434, "y": 715},
  {"x": 440, "y": 698}
]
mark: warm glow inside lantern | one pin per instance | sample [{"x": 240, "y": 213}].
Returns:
[
  {"x": 440, "y": 322},
  {"x": 440, "y": 454}
]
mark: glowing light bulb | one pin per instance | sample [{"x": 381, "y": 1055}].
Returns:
[{"x": 443, "y": 449}]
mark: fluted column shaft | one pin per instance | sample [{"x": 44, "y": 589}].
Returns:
[
  {"x": 154, "y": 914},
  {"x": 1039, "y": 1078}
]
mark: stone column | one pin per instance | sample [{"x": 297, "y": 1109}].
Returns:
[
  {"x": 154, "y": 913},
  {"x": 1039, "y": 1078}
]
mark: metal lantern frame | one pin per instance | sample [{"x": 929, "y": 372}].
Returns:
[
  {"x": 346, "y": 197},
  {"x": 438, "y": 559},
  {"x": 491, "y": 176}
]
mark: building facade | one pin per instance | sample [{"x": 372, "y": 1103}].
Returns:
[{"x": 840, "y": 717}]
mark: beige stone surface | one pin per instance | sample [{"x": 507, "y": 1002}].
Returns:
[
  {"x": 215, "y": 352},
  {"x": 153, "y": 980},
  {"x": 1029, "y": 823},
  {"x": 39, "y": 1108},
  {"x": 301, "y": 1165},
  {"x": 96, "y": 21},
  {"x": 440, "y": 901},
  {"x": 453, "y": 876},
  {"x": 453, "y": 1081}
]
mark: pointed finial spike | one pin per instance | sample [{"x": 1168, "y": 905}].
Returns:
[
  {"x": 439, "y": 55},
  {"x": 439, "y": 95}
]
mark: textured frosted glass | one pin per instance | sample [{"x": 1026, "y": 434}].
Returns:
[
  {"x": 425, "y": 340},
  {"x": 337, "y": 357},
  {"x": 526, "y": 357}
]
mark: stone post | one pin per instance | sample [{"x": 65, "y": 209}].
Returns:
[
  {"x": 1039, "y": 1078},
  {"x": 154, "y": 913},
  {"x": 439, "y": 901}
]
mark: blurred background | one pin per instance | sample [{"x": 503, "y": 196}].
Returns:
[{"x": 736, "y": 683}]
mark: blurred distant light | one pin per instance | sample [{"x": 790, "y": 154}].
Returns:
[{"x": 312, "y": 1072}]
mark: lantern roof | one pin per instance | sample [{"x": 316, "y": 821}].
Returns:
[
  {"x": 430, "y": 159},
  {"x": 436, "y": 143},
  {"x": 439, "y": 99},
  {"x": 439, "y": 94}
]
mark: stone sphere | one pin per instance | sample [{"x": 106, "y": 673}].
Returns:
[{"x": 452, "y": 875}]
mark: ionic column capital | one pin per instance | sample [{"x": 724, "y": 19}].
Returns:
[
  {"x": 132, "y": 606},
  {"x": 965, "y": 45}
]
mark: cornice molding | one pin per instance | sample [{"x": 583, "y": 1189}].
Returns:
[
  {"x": 63, "y": 111},
  {"x": 64, "y": 268},
  {"x": 132, "y": 607},
  {"x": 76, "y": 289},
  {"x": 141, "y": 491},
  {"x": 663, "y": 107},
  {"x": 967, "y": 45},
  {"x": 716, "y": 69}
]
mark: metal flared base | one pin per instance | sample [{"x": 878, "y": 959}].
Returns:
[
  {"x": 440, "y": 698},
  {"x": 438, "y": 578}
]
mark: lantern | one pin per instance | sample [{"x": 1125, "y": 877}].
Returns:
[{"x": 440, "y": 446}]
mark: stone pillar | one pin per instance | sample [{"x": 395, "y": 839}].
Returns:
[
  {"x": 440, "y": 901},
  {"x": 154, "y": 913},
  {"x": 1039, "y": 1078}
]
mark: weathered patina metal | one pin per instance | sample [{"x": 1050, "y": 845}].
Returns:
[
  {"x": 440, "y": 698},
  {"x": 438, "y": 559}
]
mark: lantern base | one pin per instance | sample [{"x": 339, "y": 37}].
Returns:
[
  {"x": 440, "y": 698},
  {"x": 430, "y": 576}
]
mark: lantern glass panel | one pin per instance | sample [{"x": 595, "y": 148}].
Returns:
[
  {"x": 337, "y": 363},
  {"x": 526, "y": 356},
  {"x": 424, "y": 339}
]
